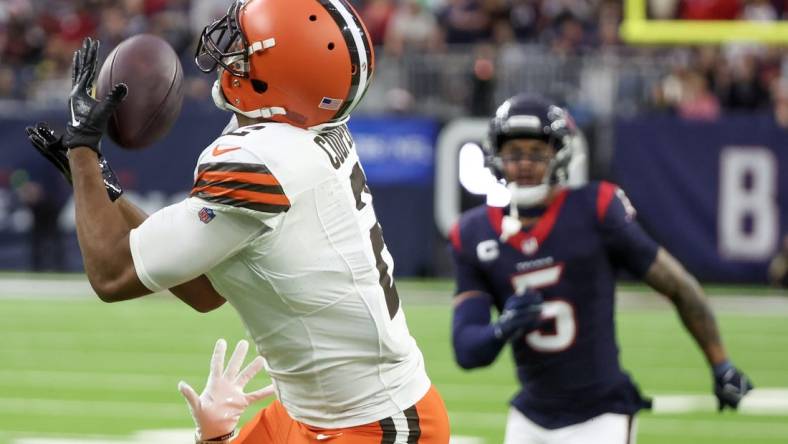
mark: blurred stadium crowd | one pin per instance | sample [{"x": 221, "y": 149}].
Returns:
[{"x": 37, "y": 38}]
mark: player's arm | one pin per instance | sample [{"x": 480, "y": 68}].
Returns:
[
  {"x": 633, "y": 249},
  {"x": 172, "y": 249},
  {"x": 477, "y": 340},
  {"x": 132, "y": 214},
  {"x": 102, "y": 232},
  {"x": 103, "y": 228},
  {"x": 667, "y": 276},
  {"x": 197, "y": 293},
  {"x": 50, "y": 145},
  {"x": 473, "y": 336}
]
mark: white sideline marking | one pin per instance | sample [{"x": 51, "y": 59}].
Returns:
[
  {"x": 95, "y": 409},
  {"x": 733, "y": 431},
  {"x": 75, "y": 287},
  {"x": 176, "y": 436},
  {"x": 45, "y": 289},
  {"x": 88, "y": 380},
  {"x": 465, "y": 440},
  {"x": 760, "y": 401}
]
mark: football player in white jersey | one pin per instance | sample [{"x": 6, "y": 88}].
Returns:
[{"x": 280, "y": 223}]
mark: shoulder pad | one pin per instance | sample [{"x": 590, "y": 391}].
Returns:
[
  {"x": 469, "y": 223},
  {"x": 604, "y": 196},
  {"x": 280, "y": 158},
  {"x": 607, "y": 195}
]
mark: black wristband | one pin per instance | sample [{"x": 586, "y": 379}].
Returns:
[{"x": 217, "y": 440}]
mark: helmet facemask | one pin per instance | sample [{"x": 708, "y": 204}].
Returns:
[
  {"x": 222, "y": 44},
  {"x": 558, "y": 135},
  {"x": 556, "y": 174},
  {"x": 224, "y": 48},
  {"x": 524, "y": 118}
]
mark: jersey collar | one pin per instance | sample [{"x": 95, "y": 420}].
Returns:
[{"x": 528, "y": 241}]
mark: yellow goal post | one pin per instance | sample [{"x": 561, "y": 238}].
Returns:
[{"x": 636, "y": 28}]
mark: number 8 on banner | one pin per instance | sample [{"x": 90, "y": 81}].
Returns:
[
  {"x": 558, "y": 310},
  {"x": 748, "y": 193}
]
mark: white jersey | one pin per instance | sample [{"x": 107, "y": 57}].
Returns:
[{"x": 281, "y": 221}]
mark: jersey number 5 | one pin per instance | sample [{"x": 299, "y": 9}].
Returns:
[
  {"x": 383, "y": 261},
  {"x": 561, "y": 312}
]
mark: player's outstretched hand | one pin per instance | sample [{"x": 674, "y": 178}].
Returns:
[
  {"x": 89, "y": 117},
  {"x": 217, "y": 410},
  {"x": 50, "y": 145},
  {"x": 730, "y": 385},
  {"x": 521, "y": 315}
]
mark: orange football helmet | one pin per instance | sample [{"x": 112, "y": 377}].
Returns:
[{"x": 303, "y": 62}]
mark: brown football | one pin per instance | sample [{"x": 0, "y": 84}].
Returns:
[{"x": 150, "y": 68}]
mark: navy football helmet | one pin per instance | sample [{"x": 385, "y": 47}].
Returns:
[{"x": 527, "y": 116}]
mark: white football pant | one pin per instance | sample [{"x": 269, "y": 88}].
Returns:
[{"x": 610, "y": 428}]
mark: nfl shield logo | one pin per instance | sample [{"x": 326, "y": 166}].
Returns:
[
  {"x": 530, "y": 246},
  {"x": 206, "y": 215}
]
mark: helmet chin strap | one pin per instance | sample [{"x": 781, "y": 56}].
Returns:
[
  {"x": 521, "y": 197},
  {"x": 528, "y": 196},
  {"x": 218, "y": 96},
  {"x": 262, "y": 113},
  {"x": 266, "y": 113}
]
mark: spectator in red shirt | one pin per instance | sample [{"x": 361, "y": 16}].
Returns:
[
  {"x": 377, "y": 15},
  {"x": 710, "y": 9}
]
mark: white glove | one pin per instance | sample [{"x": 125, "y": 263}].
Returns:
[{"x": 217, "y": 410}]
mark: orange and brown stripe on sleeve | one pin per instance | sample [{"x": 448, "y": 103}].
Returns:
[{"x": 245, "y": 185}]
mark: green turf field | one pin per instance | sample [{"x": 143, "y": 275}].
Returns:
[{"x": 81, "y": 368}]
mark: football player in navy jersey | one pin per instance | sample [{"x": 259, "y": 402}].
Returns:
[{"x": 548, "y": 263}]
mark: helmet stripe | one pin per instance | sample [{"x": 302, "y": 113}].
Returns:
[
  {"x": 366, "y": 41},
  {"x": 354, "y": 40}
]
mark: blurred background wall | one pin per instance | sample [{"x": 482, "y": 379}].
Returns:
[{"x": 696, "y": 135}]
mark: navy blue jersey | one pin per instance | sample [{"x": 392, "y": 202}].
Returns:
[{"x": 568, "y": 369}]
